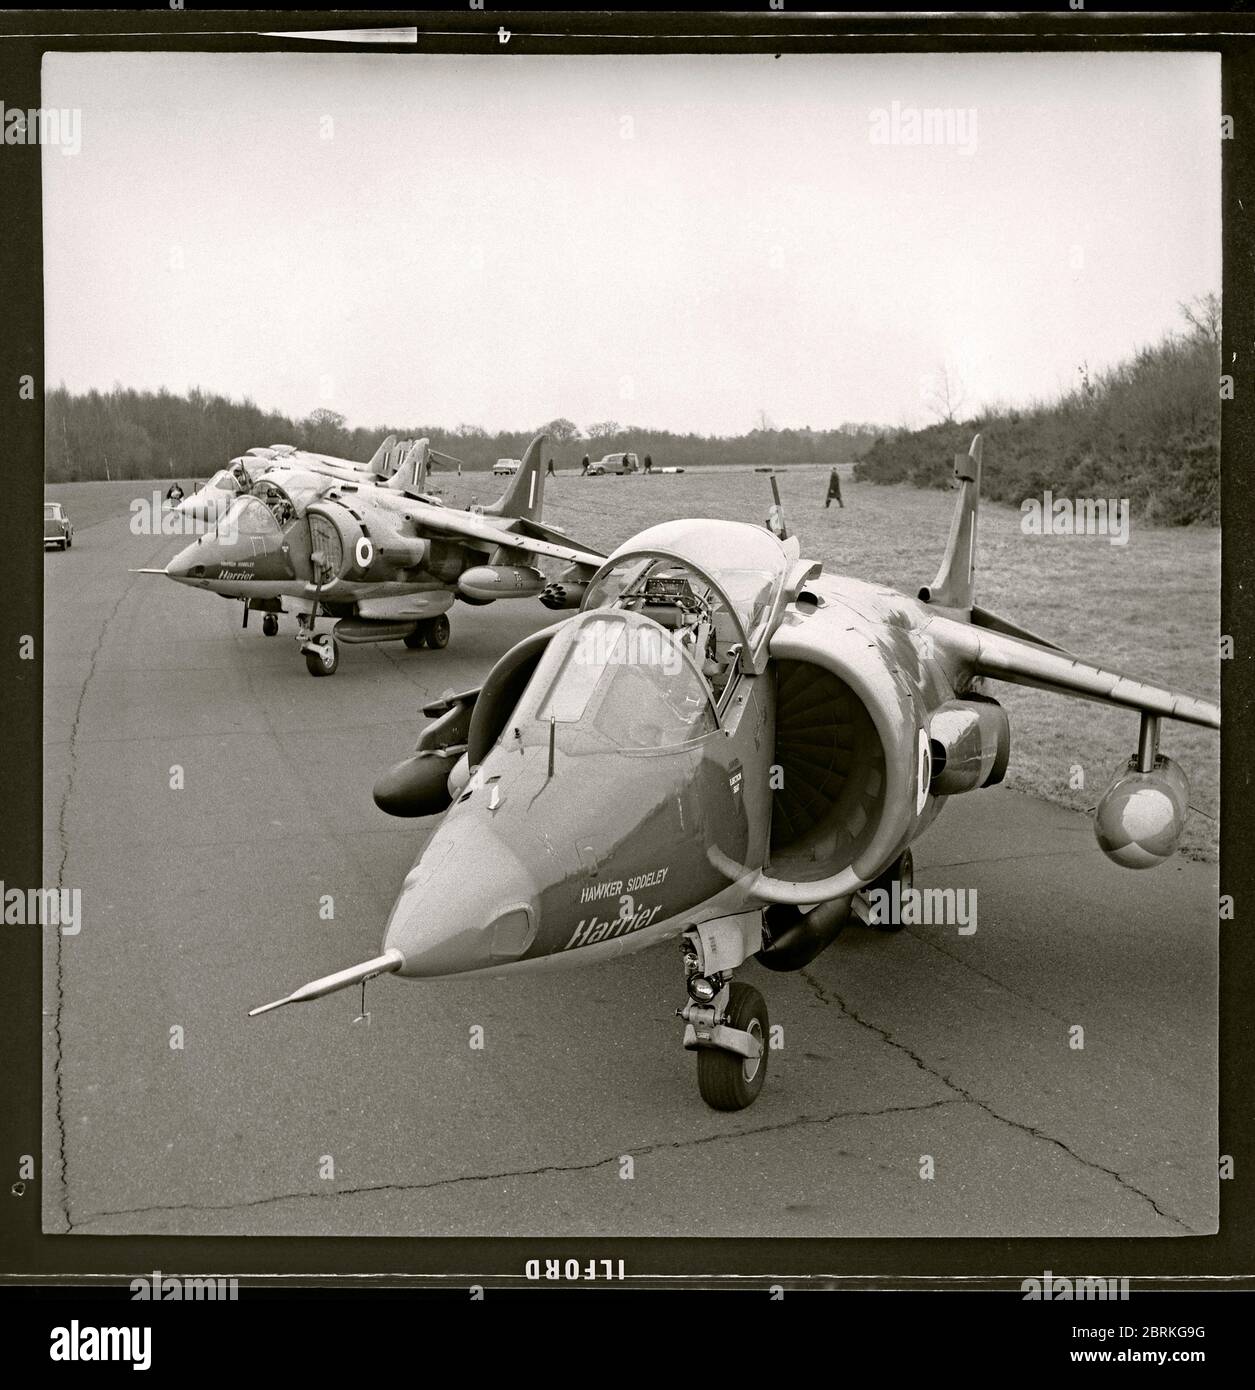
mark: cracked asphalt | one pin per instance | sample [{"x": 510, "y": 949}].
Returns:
[{"x": 580, "y": 1114}]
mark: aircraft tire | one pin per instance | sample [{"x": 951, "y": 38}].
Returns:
[
  {"x": 903, "y": 870},
  {"x": 318, "y": 664},
  {"x": 437, "y": 632},
  {"x": 722, "y": 1076},
  {"x": 416, "y": 639},
  {"x": 269, "y": 624}
]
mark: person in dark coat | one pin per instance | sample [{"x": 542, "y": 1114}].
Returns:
[{"x": 834, "y": 491}]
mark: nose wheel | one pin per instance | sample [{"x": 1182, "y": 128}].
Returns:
[
  {"x": 726, "y": 1021},
  {"x": 322, "y": 656},
  {"x": 728, "y": 1080}
]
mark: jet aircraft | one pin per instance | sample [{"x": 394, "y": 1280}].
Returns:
[
  {"x": 386, "y": 560},
  {"x": 729, "y": 747},
  {"x": 210, "y": 502}
]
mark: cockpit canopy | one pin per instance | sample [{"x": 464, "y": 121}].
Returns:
[
  {"x": 287, "y": 494},
  {"x": 614, "y": 682},
  {"x": 248, "y": 516},
  {"x": 715, "y": 584}
]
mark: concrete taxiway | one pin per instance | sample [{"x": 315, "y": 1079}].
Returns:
[{"x": 929, "y": 1081}]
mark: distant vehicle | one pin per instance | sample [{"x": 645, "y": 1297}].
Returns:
[
  {"x": 614, "y": 463},
  {"x": 57, "y": 528},
  {"x": 507, "y": 466}
]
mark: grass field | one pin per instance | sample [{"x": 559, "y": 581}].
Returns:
[{"x": 1151, "y": 607}]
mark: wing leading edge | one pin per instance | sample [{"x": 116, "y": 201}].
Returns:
[{"x": 1003, "y": 657}]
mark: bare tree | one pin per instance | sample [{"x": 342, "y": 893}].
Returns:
[
  {"x": 945, "y": 395},
  {"x": 1202, "y": 314}
]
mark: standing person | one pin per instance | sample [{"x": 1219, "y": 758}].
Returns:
[
  {"x": 549, "y": 469},
  {"x": 834, "y": 490},
  {"x": 584, "y": 464},
  {"x": 649, "y": 463}
]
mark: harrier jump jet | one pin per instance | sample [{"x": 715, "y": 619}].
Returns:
[
  {"x": 211, "y": 502},
  {"x": 728, "y": 747},
  {"x": 386, "y": 560}
]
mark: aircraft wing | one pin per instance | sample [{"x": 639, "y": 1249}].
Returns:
[
  {"x": 1007, "y": 658},
  {"x": 471, "y": 527}
]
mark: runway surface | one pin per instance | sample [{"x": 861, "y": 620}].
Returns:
[{"x": 202, "y": 902}]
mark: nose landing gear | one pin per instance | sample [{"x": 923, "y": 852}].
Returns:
[
  {"x": 726, "y": 1022},
  {"x": 322, "y": 654}
]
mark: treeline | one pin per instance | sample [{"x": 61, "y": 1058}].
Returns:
[
  {"x": 1148, "y": 430},
  {"x": 144, "y": 434}
]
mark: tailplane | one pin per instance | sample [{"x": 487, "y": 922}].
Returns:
[
  {"x": 954, "y": 584},
  {"x": 525, "y": 497}
]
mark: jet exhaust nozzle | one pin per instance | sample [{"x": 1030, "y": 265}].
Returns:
[
  {"x": 797, "y": 937},
  {"x": 380, "y": 965}
]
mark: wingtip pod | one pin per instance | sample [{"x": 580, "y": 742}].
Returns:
[{"x": 390, "y": 961}]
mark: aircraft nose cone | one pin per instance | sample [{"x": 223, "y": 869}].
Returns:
[
  {"x": 465, "y": 906},
  {"x": 188, "y": 564}
]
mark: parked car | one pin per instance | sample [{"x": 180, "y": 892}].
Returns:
[
  {"x": 57, "y": 528},
  {"x": 507, "y": 466},
  {"x": 614, "y": 463}
]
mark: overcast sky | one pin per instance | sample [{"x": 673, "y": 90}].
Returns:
[{"x": 677, "y": 242}]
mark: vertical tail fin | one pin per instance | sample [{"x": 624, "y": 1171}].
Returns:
[
  {"x": 525, "y": 497},
  {"x": 376, "y": 464},
  {"x": 954, "y": 584},
  {"x": 411, "y": 472}
]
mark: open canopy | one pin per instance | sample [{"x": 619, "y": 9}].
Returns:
[{"x": 715, "y": 582}]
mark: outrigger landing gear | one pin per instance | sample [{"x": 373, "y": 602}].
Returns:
[{"x": 725, "y": 1023}]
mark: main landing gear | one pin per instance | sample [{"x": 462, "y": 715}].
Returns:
[
  {"x": 875, "y": 914},
  {"x": 725, "y": 1022},
  {"x": 434, "y": 633}
]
